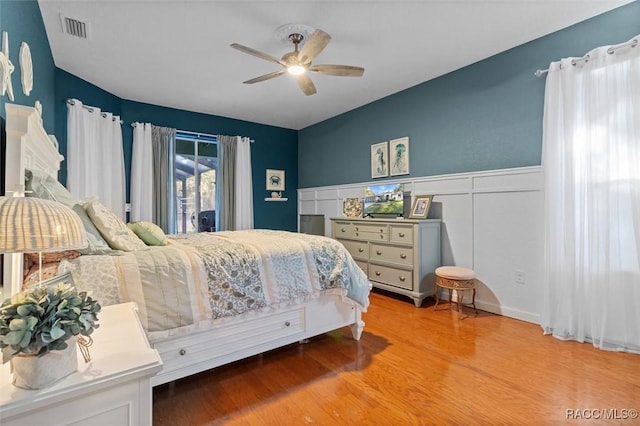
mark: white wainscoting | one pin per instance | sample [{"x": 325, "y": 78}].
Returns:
[{"x": 491, "y": 222}]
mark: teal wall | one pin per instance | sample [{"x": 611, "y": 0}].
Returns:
[
  {"x": 23, "y": 21},
  {"x": 482, "y": 117},
  {"x": 274, "y": 148}
]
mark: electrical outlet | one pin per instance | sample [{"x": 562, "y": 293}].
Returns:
[{"x": 520, "y": 276}]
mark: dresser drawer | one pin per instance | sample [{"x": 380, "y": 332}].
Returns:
[
  {"x": 383, "y": 253},
  {"x": 358, "y": 249},
  {"x": 401, "y": 234},
  {"x": 371, "y": 236},
  {"x": 343, "y": 230},
  {"x": 393, "y": 276},
  {"x": 375, "y": 228}
]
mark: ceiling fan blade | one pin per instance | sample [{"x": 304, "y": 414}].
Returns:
[
  {"x": 339, "y": 70},
  {"x": 305, "y": 84},
  {"x": 312, "y": 47},
  {"x": 257, "y": 53},
  {"x": 265, "y": 77}
]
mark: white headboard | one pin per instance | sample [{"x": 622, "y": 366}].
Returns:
[{"x": 28, "y": 147}]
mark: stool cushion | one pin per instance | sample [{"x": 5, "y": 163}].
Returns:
[{"x": 455, "y": 273}]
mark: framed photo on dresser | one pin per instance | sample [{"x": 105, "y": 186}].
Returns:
[{"x": 420, "y": 207}]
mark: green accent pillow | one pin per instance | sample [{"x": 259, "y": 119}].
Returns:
[{"x": 149, "y": 232}]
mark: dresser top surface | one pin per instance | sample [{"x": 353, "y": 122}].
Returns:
[{"x": 380, "y": 220}]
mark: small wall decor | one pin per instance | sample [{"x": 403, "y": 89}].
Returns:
[
  {"x": 380, "y": 160},
  {"x": 399, "y": 157},
  {"x": 26, "y": 68},
  {"x": 275, "y": 180},
  {"x": 352, "y": 207},
  {"x": 420, "y": 207},
  {"x": 6, "y": 68}
]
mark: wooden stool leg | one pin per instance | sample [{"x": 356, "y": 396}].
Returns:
[
  {"x": 437, "y": 296},
  {"x": 473, "y": 300}
]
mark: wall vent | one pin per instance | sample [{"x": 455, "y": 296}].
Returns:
[{"x": 75, "y": 27}]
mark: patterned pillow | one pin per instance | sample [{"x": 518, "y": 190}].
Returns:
[
  {"x": 112, "y": 228},
  {"x": 149, "y": 232},
  {"x": 41, "y": 185}
]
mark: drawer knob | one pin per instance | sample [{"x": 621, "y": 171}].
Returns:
[
  {"x": 401, "y": 234},
  {"x": 182, "y": 352},
  {"x": 378, "y": 252},
  {"x": 377, "y": 273},
  {"x": 360, "y": 250},
  {"x": 287, "y": 324},
  {"x": 382, "y": 237},
  {"x": 402, "y": 278},
  {"x": 381, "y": 229},
  {"x": 343, "y": 230},
  {"x": 403, "y": 256}
]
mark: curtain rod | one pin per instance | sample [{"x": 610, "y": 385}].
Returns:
[
  {"x": 196, "y": 134},
  {"x": 585, "y": 58},
  {"x": 90, "y": 109}
]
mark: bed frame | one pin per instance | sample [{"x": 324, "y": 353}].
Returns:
[{"x": 29, "y": 147}]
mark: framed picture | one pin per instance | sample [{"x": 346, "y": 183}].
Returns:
[
  {"x": 380, "y": 160},
  {"x": 275, "y": 180},
  {"x": 352, "y": 207},
  {"x": 420, "y": 207},
  {"x": 399, "y": 157}
]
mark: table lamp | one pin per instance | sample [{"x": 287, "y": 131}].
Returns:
[{"x": 34, "y": 225}]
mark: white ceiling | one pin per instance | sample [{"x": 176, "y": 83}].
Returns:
[{"x": 176, "y": 53}]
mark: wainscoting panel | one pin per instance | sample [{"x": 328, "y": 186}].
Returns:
[{"x": 491, "y": 221}]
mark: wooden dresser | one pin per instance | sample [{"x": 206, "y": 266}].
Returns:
[{"x": 398, "y": 255}]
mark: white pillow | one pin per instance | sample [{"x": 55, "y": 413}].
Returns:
[{"x": 112, "y": 228}]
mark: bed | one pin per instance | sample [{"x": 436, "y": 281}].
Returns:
[{"x": 205, "y": 299}]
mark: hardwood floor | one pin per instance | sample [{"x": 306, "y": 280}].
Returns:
[{"x": 413, "y": 366}]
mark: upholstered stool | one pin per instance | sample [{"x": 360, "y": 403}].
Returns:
[{"x": 456, "y": 278}]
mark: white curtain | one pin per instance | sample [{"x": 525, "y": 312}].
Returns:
[
  {"x": 95, "y": 158},
  {"x": 142, "y": 174},
  {"x": 591, "y": 159},
  {"x": 244, "y": 185}
]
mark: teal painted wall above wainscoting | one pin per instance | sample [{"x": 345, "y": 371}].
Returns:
[{"x": 485, "y": 116}]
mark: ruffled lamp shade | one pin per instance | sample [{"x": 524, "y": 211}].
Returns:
[{"x": 30, "y": 225}]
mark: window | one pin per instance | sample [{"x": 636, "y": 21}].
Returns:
[{"x": 195, "y": 176}]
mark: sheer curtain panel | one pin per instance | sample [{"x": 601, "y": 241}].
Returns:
[
  {"x": 591, "y": 160},
  {"x": 95, "y": 156},
  {"x": 142, "y": 174}
]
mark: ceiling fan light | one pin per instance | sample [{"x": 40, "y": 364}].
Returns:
[{"x": 296, "y": 69}]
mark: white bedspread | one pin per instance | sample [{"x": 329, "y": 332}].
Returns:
[{"x": 208, "y": 276}]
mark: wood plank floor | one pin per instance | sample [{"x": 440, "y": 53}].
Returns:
[{"x": 413, "y": 366}]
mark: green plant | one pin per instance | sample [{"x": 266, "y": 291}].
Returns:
[{"x": 41, "y": 319}]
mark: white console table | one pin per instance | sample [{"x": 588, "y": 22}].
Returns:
[{"x": 114, "y": 388}]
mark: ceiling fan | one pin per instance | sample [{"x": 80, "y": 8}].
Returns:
[{"x": 298, "y": 62}]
